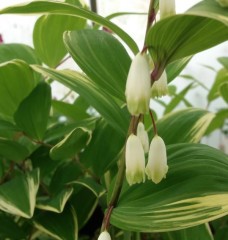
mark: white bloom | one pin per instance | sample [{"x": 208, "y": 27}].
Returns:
[
  {"x": 143, "y": 136},
  {"x": 167, "y": 8},
  {"x": 223, "y": 3},
  {"x": 135, "y": 160},
  {"x": 104, "y": 236},
  {"x": 138, "y": 85},
  {"x": 160, "y": 87},
  {"x": 157, "y": 167}
]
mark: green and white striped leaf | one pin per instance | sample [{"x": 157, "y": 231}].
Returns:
[
  {"x": 18, "y": 196},
  {"x": 188, "y": 125},
  {"x": 72, "y": 144},
  {"x": 95, "y": 96},
  {"x": 14, "y": 75},
  {"x": 102, "y": 58},
  {"x": 58, "y": 225},
  {"x": 201, "y": 232},
  {"x": 184, "y": 35},
  {"x": 70, "y": 10},
  {"x": 195, "y": 191},
  {"x": 55, "y": 203}
]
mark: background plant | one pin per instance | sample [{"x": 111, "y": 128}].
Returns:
[{"x": 59, "y": 160}]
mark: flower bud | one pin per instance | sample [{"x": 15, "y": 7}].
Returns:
[
  {"x": 157, "y": 167},
  {"x": 135, "y": 160},
  {"x": 160, "y": 87},
  {"x": 138, "y": 85},
  {"x": 104, "y": 236},
  {"x": 223, "y": 3},
  {"x": 167, "y": 8},
  {"x": 143, "y": 136}
]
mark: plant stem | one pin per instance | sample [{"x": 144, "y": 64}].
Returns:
[
  {"x": 150, "y": 19},
  {"x": 153, "y": 122},
  {"x": 119, "y": 178}
]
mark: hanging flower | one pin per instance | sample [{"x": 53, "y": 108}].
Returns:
[
  {"x": 223, "y": 3},
  {"x": 167, "y": 8},
  {"x": 138, "y": 85},
  {"x": 157, "y": 167},
  {"x": 104, "y": 236},
  {"x": 135, "y": 160},
  {"x": 143, "y": 136},
  {"x": 160, "y": 87}
]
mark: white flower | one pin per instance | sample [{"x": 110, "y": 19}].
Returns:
[
  {"x": 138, "y": 85},
  {"x": 160, "y": 87},
  {"x": 143, "y": 136},
  {"x": 223, "y": 3},
  {"x": 157, "y": 167},
  {"x": 104, "y": 236},
  {"x": 167, "y": 8},
  {"x": 135, "y": 160}
]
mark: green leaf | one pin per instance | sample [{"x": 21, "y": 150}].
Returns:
[
  {"x": 86, "y": 198},
  {"x": 12, "y": 51},
  {"x": 201, "y": 232},
  {"x": 174, "y": 69},
  {"x": 33, "y": 112},
  {"x": 55, "y": 203},
  {"x": 211, "y": 9},
  {"x": 8, "y": 129},
  {"x": 218, "y": 121},
  {"x": 101, "y": 57},
  {"x": 12, "y": 150},
  {"x": 71, "y": 145},
  {"x": 18, "y": 196},
  {"x": 90, "y": 184},
  {"x": 95, "y": 96},
  {"x": 59, "y": 130},
  {"x": 40, "y": 159},
  {"x": 177, "y": 99},
  {"x": 181, "y": 36},
  {"x": 67, "y": 9},
  {"x": 64, "y": 174},
  {"x": 59, "y": 225},
  {"x": 9, "y": 229},
  {"x": 188, "y": 125},
  {"x": 72, "y": 111},
  {"x": 46, "y": 44},
  {"x": 105, "y": 148},
  {"x": 14, "y": 75},
  {"x": 224, "y": 61},
  {"x": 194, "y": 192},
  {"x": 224, "y": 91},
  {"x": 221, "y": 78}
]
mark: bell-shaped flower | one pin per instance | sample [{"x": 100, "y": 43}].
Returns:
[
  {"x": 223, "y": 3},
  {"x": 167, "y": 8},
  {"x": 104, "y": 236},
  {"x": 157, "y": 167},
  {"x": 135, "y": 160},
  {"x": 138, "y": 85},
  {"x": 143, "y": 136},
  {"x": 160, "y": 87}
]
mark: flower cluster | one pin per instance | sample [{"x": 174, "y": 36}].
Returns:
[
  {"x": 138, "y": 93},
  {"x": 136, "y": 147}
]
